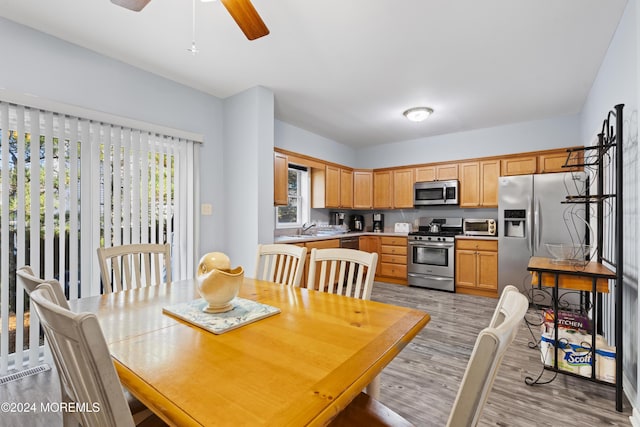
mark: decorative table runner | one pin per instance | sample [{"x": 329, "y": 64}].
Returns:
[{"x": 244, "y": 311}]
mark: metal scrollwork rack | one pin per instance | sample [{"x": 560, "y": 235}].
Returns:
[{"x": 605, "y": 161}]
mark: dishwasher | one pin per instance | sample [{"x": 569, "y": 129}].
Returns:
[{"x": 350, "y": 242}]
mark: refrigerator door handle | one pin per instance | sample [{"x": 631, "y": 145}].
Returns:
[
  {"x": 538, "y": 224},
  {"x": 531, "y": 227}
]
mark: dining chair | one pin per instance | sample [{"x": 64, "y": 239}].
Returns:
[
  {"x": 347, "y": 272},
  {"x": 30, "y": 282},
  {"x": 488, "y": 351},
  {"x": 79, "y": 347},
  {"x": 281, "y": 263},
  {"x": 134, "y": 266}
]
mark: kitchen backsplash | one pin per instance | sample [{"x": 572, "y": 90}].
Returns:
[{"x": 405, "y": 215}]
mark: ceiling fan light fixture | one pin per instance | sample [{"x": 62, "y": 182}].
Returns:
[{"x": 418, "y": 114}]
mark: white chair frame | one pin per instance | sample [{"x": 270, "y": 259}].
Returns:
[
  {"x": 281, "y": 263},
  {"x": 134, "y": 266},
  {"x": 343, "y": 269}
]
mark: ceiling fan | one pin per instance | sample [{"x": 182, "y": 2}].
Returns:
[{"x": 242, "y": 11}]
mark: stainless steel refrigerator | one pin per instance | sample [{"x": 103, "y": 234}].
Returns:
[{"x": 530, "y": 214}]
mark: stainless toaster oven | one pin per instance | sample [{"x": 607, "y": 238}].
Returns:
[{"x": 479, "y": 227}]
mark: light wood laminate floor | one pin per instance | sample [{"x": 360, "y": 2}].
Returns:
[{"x": 421, "y": 383}]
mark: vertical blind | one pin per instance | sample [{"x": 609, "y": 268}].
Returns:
[{"x": 69, "y": 185}]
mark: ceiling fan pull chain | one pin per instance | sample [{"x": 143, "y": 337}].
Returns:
[{"x": 193, "y": 48}]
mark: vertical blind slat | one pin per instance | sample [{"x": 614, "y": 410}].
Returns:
[
  {"x": 73, "y": 178},
  {"x": 74, "y": 181},
  {"x": 4, "y": 239}
]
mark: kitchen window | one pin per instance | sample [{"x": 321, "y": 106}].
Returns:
[{"x": 296, "y": 212}]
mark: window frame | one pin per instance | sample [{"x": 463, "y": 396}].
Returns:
[{"x": 303, "y": 198}]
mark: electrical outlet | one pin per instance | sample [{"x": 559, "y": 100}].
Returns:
[{"x": 206, "y": 209}]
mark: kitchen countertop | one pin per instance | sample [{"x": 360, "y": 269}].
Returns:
[
  {"x": 311, "y": 238},
  {"x": 477, "y": 237}
]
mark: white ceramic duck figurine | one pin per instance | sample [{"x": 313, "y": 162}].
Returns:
[{"x": 218, "y": 284}]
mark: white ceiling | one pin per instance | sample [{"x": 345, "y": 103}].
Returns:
[{"x": 346, "y": 69}]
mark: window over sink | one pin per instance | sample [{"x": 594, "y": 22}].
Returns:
[{"x": 297, "y": 210}]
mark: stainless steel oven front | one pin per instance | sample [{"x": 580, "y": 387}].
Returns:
[{"x": 430, "y": 263}]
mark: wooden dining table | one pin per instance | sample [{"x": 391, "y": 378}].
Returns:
[{"x": 299, "y": 367}]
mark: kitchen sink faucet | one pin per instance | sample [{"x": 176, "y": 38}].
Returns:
[{"x": 307, "y": 226}]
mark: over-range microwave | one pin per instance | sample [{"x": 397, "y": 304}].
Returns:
[{"x": 435, "y": 193}]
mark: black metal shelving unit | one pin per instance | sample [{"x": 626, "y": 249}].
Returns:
[{"x": 606, "y": 160}]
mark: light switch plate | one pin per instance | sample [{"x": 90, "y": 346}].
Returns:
[{"x": 206, "y": 209}]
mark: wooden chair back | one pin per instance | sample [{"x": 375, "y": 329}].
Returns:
[
  {"x": 134, "y": 266},
  {"x": 281, "y": 263},
  {"x": 79, "y": 345},
  {"x": 343, "y": 271}
]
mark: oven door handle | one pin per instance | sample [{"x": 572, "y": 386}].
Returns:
[
  {"x": 429, "y": 277},
  {"x": 432, "y": 245}
]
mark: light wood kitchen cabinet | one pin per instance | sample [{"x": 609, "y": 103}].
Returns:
[
  {"x": 393, "y": 259},
  {"x": 382, "y": 189},
  {"x": 489, "y": 173},
  {"x": 436, "y": 172},
  {"x": 477, "y": 267},
  {"x": 346, "y": 188},
  {"x": 403, "y": 188},
  {"x": 371, "y": 244},
  {"x": 331, "y": 187},
  {"x": 521, "y": 165},
  {"x": 280, "y": 179},
  {"x": 479, "y": 184},
  {"x": 362, "y": 189},
  {"x": 554, "y": 162}
]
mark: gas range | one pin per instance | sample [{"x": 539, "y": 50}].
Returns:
[
  {"x": 433, "y": 237},
  {"x": 437, "y": 229},
  {"x": 430, "y": 253}
]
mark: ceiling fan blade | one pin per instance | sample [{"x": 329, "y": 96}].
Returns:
[
  {"x": 135, "y": 5},
  {"x": 245, "y": 15}
]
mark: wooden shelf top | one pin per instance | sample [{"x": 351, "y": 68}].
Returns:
[{"x": 591, "y": 269}]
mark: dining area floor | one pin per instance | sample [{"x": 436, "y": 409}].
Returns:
[{"x": 422, "y": 381}]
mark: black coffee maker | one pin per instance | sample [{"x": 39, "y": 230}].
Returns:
[
  {"x": 357, "y": 223},
  {"x": 378, "y": 222}
]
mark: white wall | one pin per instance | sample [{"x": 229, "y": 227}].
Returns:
[
  {"x": 248, "y": 174},
  {"x": 514, "y": 138},
  {"x": 38, "y": 64},
  {"x": 292, "y": 138},
  {"x": 617, "y": 82}
]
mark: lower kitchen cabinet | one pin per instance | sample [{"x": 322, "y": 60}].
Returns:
[
  {"x": 392, "y": 260},
  {"x": 477, "y": 267},
  {"x": 371, "y": 244}
]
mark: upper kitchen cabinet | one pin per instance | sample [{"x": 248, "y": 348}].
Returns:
[
  {"x": 382, "y": 189},
  {"x": 479, "y": 184},
  {"x": 362, "y": 189},
  {"x": 346, "y": 188},
  {"x": 280, "y": 179},
  {"x": 436, "y": 172},
  {"x": 332, "y": 187},
  {"x": 403, "y": 188},
  {"x": 521, "y": 165},
  {"x": 555, "y": 161},
  {"x": 549, "y": 161}
]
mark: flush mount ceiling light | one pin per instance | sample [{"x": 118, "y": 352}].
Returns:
[{"x": 418, "y": 114}]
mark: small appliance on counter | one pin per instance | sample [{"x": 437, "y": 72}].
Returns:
[
  {"x": 336, "y": 218},
  {"x": 357, "y": 223},
  {"x": 378, "y": 222},
  {"x": 479, "y": 227},
  {"x": 402, "y": 227}
]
